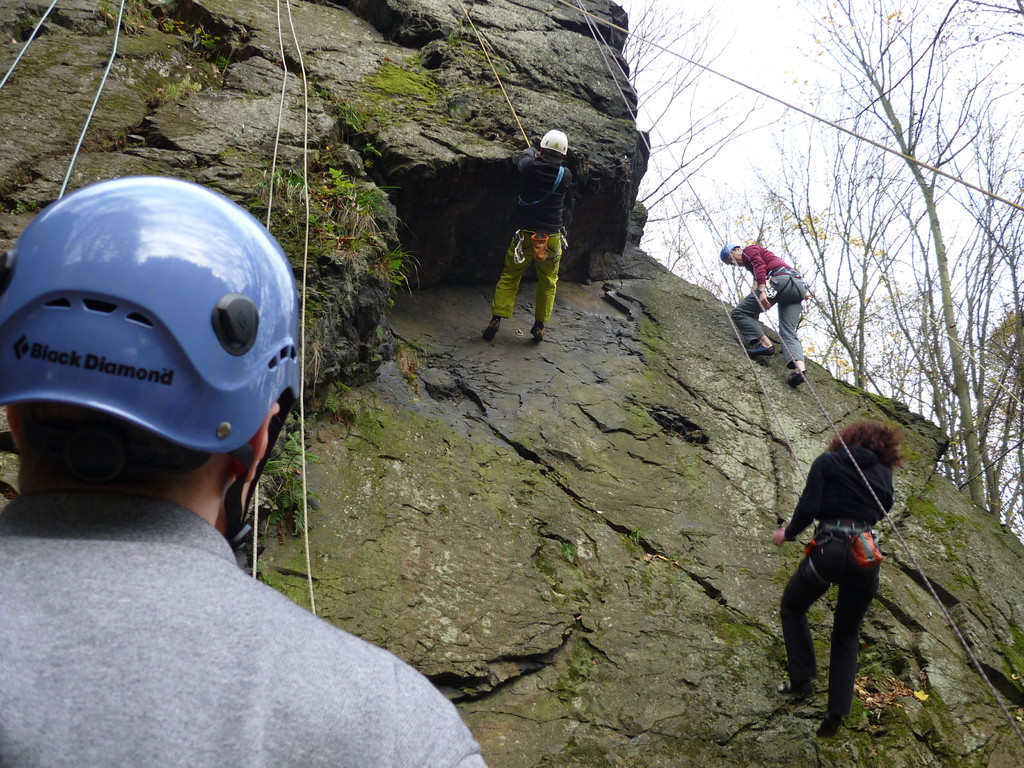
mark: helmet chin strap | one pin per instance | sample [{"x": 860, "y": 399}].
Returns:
[{"x": 238, "y": 530}]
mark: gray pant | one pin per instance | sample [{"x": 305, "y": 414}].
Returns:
[{"x": 745, "y": 316}]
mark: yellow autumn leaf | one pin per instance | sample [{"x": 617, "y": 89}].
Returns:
[{"x": 921, "y": 695}]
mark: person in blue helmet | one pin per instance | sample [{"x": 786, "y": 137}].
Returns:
[
  {"x": 148, "y": 332},
  {"x": 775, "y": 284}
]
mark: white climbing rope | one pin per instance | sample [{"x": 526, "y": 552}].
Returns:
[
  {"x": 96, "y": 100},
  {"x": 303, "y": 283},
  {"x": 28, "y": 42}
]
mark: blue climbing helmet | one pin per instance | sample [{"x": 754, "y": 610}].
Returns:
[
  {"x": 724, "y": 255},
  {"x": 154, "y": 300}
]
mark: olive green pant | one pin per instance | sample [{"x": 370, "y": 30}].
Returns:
[{"x": 518, "y": 258}]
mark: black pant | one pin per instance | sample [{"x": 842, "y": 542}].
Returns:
[{"x": 830, "y": 563}]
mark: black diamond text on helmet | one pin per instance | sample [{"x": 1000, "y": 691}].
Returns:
[{"x": 24, "y": 351}]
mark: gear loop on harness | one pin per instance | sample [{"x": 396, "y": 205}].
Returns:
[
  {"x": 835, "y": 530},
  {"x": 786, "y": 284},
  {"x": 856, "y": 535},
  {"x": 828, "y": 530}
]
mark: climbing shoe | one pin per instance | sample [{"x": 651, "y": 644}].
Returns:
[
  {"x": 795, "y": 379},
  {"x": 537, "y": 332},
  {"x": 830, "y": 725},
  {"x": 492, "y": 328},
  {"x": 804, "y": 688},
  {"x": 760, "y": 351}
]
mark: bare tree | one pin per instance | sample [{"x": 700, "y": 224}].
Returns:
[
  {"x": 846, "y": 228},
  {"x": 994, "y": 19},
  {"x": 691, "y": 120},
  {"x": 992, "y": 294},
  {"x": 898, "y": 62},
  {"x": 907, "y": 295}
]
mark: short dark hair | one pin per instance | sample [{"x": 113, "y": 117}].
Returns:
[
  {"x": 882, "y": 439},
  {"x": 38, "y": 472}
]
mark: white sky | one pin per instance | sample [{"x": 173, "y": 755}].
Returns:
[
  {"x": 766, "y": 45},
  {"x": 770, "y": 46}
]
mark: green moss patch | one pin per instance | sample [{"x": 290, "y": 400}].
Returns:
[
  {"x": 935, "y": 520},
  {"x": 1013, "y": 657},
  {"x": 395, "y": 82}
]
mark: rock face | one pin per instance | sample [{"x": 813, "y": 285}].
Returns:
[
  {"x": 451, "y": 164},
  {"x": 572, "y": 538},
  {"x": 409, "y": 111}
]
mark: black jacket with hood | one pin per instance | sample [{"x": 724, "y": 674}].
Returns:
[{"x": 835, "y": 490}]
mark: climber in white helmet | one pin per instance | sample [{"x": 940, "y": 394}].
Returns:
[{"x": 544, "y": 182}]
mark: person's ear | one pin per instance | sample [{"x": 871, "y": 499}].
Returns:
[
  {"x": 260, "y": 442},
  {"x": 14, "y": 421}
]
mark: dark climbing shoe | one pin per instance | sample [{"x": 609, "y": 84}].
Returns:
[
  {"x": 760, "y": 351},
  {"x": 830, "y": 725},
  {"x": 537, "y": 332},
  {"x": 795, "y": 379},
  {"x": 804, "y": 688},
  {"x": 492, "y": 329}
]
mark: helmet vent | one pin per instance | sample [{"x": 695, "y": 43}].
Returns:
[
  {"x": 286, "y": 353},
  {"x": 96, "y": 305}
]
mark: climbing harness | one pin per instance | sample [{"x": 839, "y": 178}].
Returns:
[
  {"x": 786, "y": 286},
  {"x": 856, "y": 534},
  {"x": 538, "y": 244}
]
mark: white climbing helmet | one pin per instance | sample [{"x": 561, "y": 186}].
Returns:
[{"x": 555, "y": 141}]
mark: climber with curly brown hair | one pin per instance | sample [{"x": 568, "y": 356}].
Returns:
[{"x": 848, "y": 489}]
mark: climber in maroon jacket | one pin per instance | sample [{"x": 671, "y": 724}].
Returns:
[{"x": 775, "y": 282}]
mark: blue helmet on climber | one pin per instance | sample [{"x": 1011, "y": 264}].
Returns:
[{"x": 159, "y": 303}]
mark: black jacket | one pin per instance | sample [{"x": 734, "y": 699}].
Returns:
[
  {"x": 835, "y": 490},
  {"x": 540, "y": 203}
]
